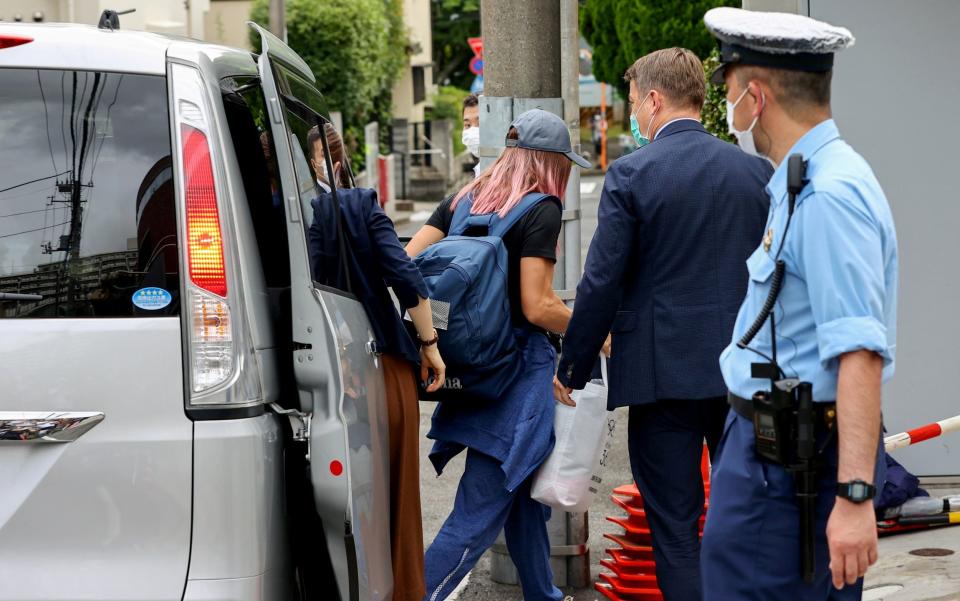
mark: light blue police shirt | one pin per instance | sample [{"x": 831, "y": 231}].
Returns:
[{"x": 840, "y": 290}]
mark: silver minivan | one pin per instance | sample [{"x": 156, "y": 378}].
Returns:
[{"x": 184, "y": 412}]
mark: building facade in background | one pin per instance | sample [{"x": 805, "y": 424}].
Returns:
[
  {"x": 160, "y": 16},
  {"x": 415, "y": 87}
]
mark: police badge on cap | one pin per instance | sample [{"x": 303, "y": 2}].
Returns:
[{"x": 775, "y": 40}]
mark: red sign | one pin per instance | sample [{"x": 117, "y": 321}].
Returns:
[
  {"x": 476, "y": 63},
  {"x": 476, "y": 44}
]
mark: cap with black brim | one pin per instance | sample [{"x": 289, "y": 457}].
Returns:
[
  {"x": 774, "y": 40},
  {"x": 733, "y": 54},
  {"x": 538, "y": 129}
]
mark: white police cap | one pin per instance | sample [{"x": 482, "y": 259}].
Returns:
[{"x": 776, "y": 40}]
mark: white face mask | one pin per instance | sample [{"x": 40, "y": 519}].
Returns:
[
  {"x": 745, "y": 137},
  {"x": 471, "y": 139}
]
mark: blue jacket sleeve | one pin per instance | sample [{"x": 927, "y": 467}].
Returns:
[
  {"x": 599, "y": 292},
  {"x": 399, "y": 271}
]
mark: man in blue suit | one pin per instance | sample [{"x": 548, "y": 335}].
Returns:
[{"x": 665, "y": 275}]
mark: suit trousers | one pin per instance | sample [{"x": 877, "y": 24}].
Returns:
[
  {"x": 666, "y": 443},
  {"x": 406, "y": 528}
]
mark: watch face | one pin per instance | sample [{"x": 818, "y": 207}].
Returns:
[{"x": 857, "y": 491}]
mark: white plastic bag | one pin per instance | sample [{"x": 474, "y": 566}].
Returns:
[{"x": 571, "y": 476}]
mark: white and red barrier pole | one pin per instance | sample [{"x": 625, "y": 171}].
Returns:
[{"x": 905, "y": 439}]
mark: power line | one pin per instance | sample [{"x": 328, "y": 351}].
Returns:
[
  {"x": 44, "y": 210},
  {"x": 33, "y": 230},
  {"x": 33, "y": 181},
  {"x": 46, "y": 120},
  {"x": 103, "y": 140},
  {"x": 63, "y": 114}
]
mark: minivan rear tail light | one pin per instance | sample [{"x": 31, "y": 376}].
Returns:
[
  {"x": 10, "y": 41},
  {"x": 204, "y": 238},
  {"x": 212, "y": 350}
]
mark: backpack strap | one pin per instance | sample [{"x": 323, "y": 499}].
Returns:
[
  {"x": 495, "y": 225},
  {"x": 499, "y": 227},
  {"x": 461, "y": 217}
]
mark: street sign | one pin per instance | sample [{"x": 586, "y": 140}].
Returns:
[
  {"x": 476, "y": 44},
  {"x": 476, "y": 65}
]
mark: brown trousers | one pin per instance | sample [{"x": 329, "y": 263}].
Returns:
[{"x": 406, "y": 527}]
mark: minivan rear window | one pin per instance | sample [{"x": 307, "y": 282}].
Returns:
[{"x": 88, "y": 222}]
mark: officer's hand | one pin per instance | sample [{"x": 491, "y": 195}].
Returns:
[
  {"x": 562, "y": 394},
  {"x": 852, "y": 538}
]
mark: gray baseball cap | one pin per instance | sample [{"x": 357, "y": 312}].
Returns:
[{"x": 539, "y": 130}]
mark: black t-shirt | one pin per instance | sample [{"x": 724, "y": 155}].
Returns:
[{"x": 535, "y": 235}]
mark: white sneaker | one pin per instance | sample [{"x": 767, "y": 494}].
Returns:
[{"x": 568, "y": 598}]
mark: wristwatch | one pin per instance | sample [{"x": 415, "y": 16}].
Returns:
[{"x": 856, "y": 491}]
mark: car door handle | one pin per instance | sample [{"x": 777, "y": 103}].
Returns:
[{"x": 47, "y": 426}]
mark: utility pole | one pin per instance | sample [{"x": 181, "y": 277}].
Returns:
[
  {"x": 278, "y": 19},
  {"x": 531, "y": 60}
]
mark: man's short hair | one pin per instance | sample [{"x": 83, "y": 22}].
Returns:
[
  {"x": 795, "y": 90},
  {"x": 470, "y": 100},
  {"x": 675, "y": 72},
  {"x": 313, "y": 136}
]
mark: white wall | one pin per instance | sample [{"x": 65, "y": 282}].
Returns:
[
  {"x": 161, "y": 16},
  {"x": 895, "y": 101}
]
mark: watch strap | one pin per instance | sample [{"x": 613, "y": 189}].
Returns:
[{"x": 856, "y": 491}]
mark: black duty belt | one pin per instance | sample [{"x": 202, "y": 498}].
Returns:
[{"x": 826, "y": 412}]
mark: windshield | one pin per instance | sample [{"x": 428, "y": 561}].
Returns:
[{"x": 87, "y": 212}]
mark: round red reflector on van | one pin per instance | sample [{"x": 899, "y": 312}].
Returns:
[{"x": 336, "y": 468}]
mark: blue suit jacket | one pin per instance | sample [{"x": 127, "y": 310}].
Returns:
[
  {"x": 376, "y": 261},
  {"x": 666, "y": 269}
]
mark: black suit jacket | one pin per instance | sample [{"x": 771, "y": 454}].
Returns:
[
  {"x": 666, "y": 269},
  {"x": 376, "y": 261}
]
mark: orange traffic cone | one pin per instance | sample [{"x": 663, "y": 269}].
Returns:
[{"x": 633, "y": 571}]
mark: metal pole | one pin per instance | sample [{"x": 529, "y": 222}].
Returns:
[
  {"x": 570, "y": 85},
  {"x": 603, "y": 126},
  {"x": 278, "y": 19}
]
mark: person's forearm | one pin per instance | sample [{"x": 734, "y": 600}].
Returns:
[
  {"x": 425, "y": 236},
  {"x": 422, "y": 317},
  {"x": 552, "y": 315},
  {"x": 858, "y": 414}
]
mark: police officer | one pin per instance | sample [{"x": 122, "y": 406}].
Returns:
[{"x": 835, "y": 322}]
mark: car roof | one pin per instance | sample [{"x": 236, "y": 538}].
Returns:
[{"x": 85, "y": 47}]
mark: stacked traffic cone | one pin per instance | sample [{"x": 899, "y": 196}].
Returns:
[{"x": 634, "y": 573}]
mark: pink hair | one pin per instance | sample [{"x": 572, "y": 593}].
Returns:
[{"x": 516, "y": 173}]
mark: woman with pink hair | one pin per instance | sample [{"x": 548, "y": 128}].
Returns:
[{"x": 507, "y": 440}]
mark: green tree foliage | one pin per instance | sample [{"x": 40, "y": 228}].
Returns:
[
  {"x": 355, "y": 48},
  {"x": 621, "y": 31},
  {"x": 453, "y": 22},
  {"x": 714, "y": 113},
  {"x": 448, "y": 104}
]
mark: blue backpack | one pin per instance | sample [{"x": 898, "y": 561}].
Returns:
[{"x": 466, "y": 277}]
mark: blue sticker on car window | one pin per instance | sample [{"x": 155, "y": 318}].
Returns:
[{"x": 152, "y": 299}]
